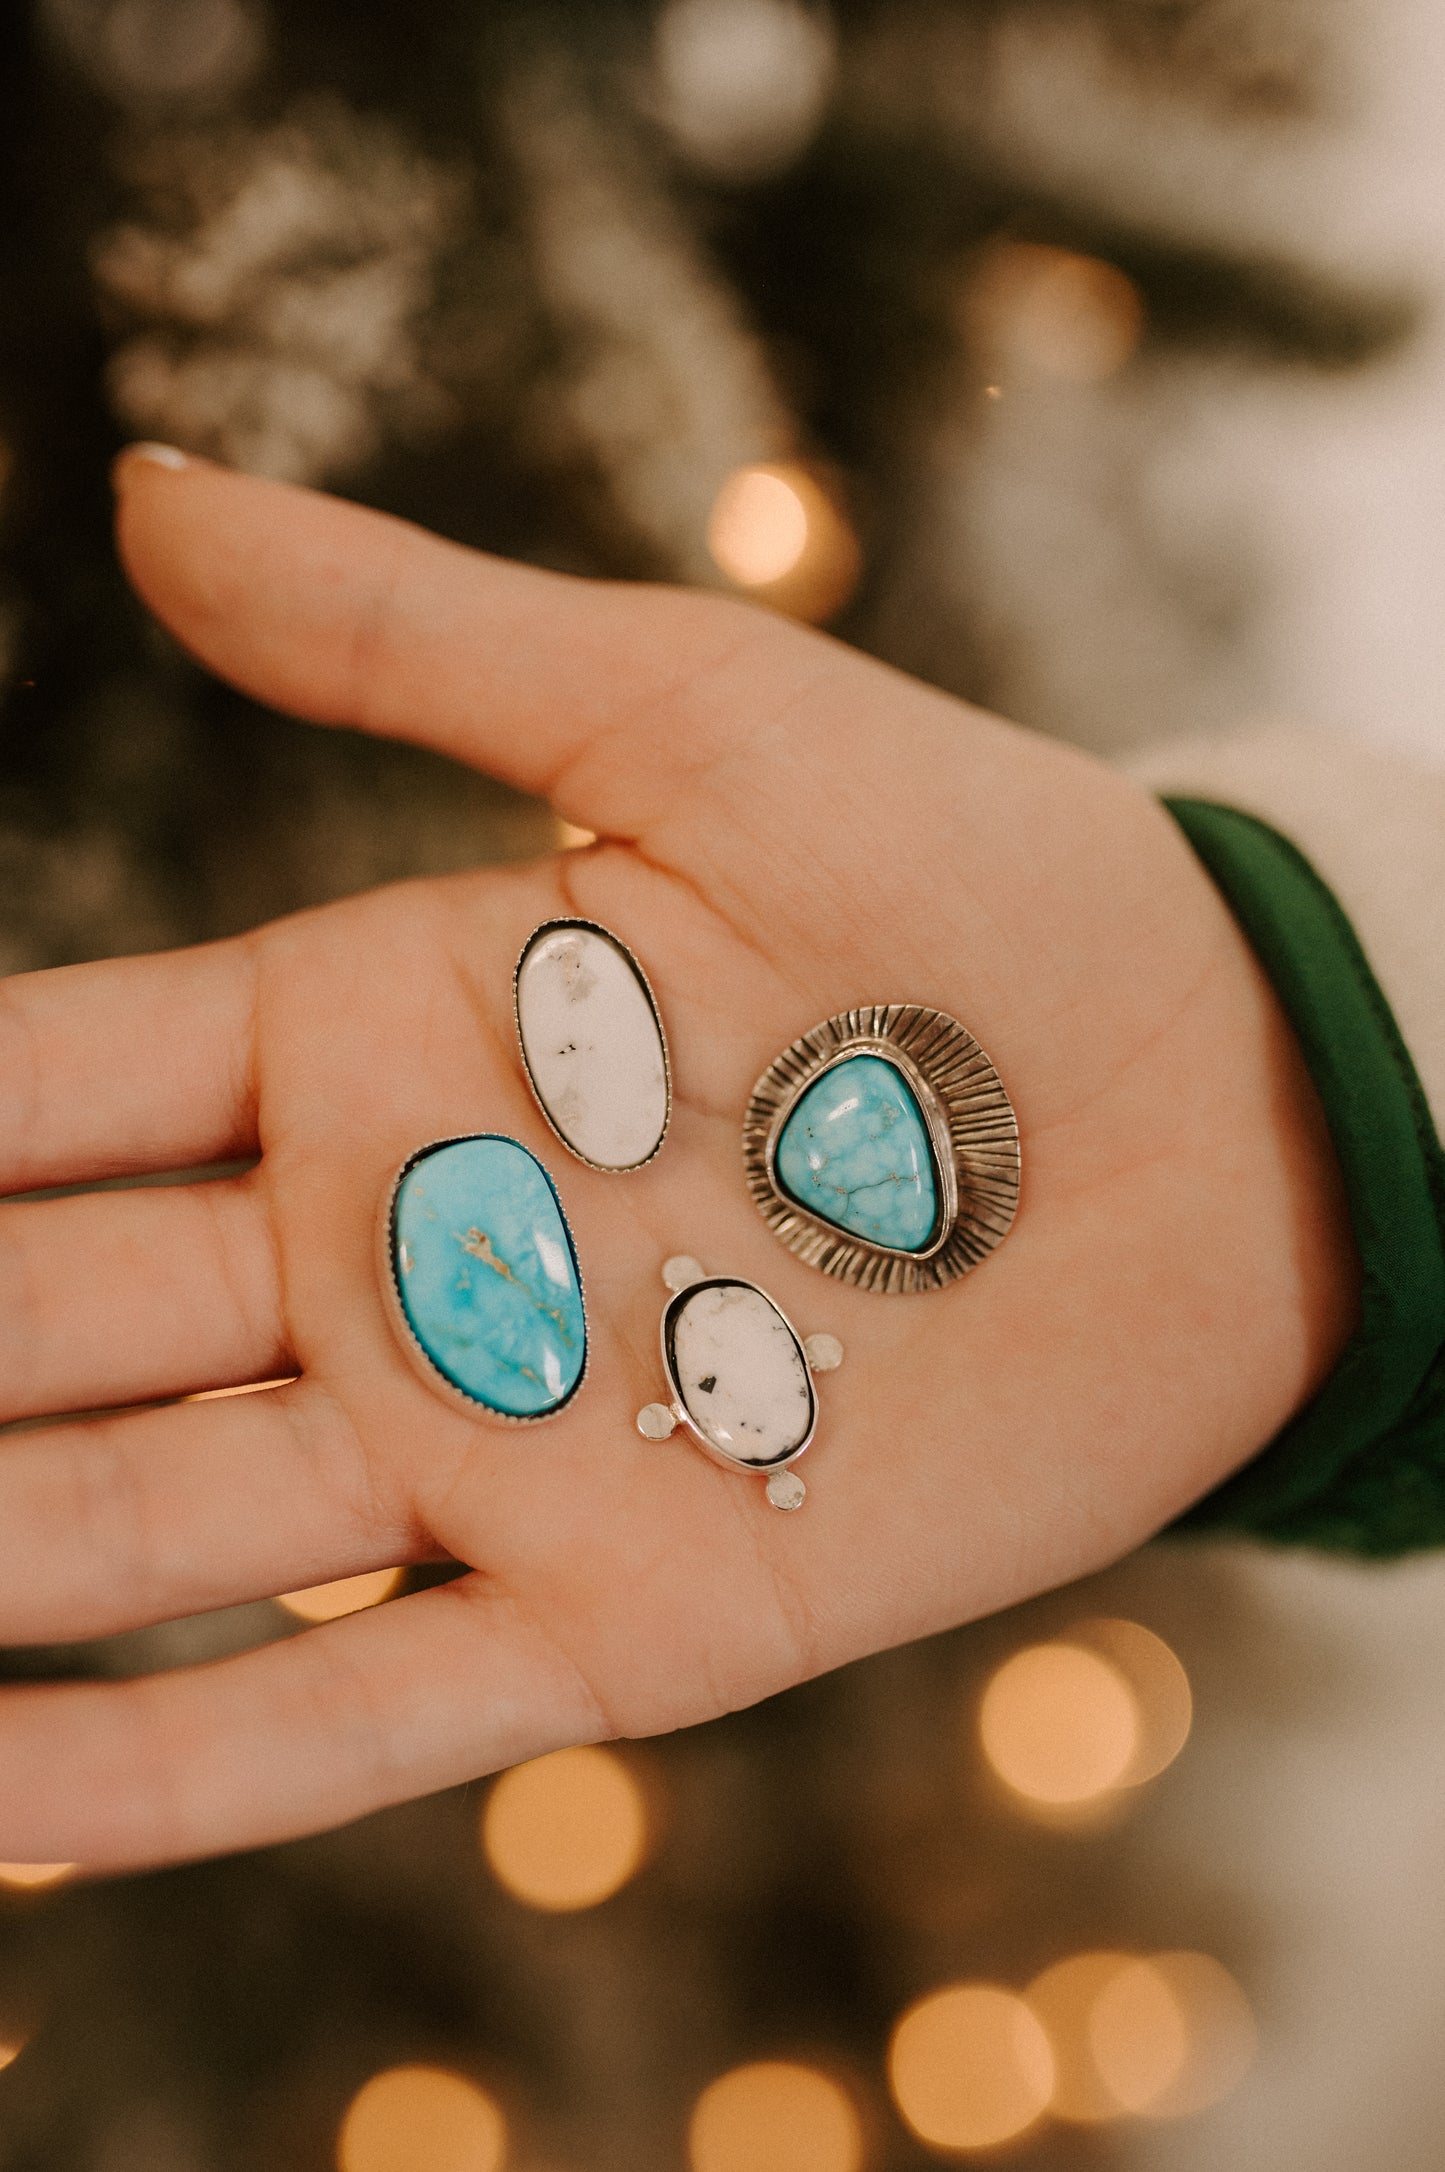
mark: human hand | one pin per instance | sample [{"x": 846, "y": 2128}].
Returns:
[{"x": 786, "y": 830}]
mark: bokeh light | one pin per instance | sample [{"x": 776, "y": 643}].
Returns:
[
  {"x": 32, "y": 1877},
  {"x": 1138, "y": 2035},
  {"x": 347, "y": 1595},
  {"x": 162, "y": 50},
  {"x": 1160, "y": 1685},
  {"x": 1059, "y": 1724},
  {"x": 567, "y": 1830},
  {"x": 970, "y": 2066},
  {"x": 1064, "y": 1998},
  {"x": 775, "y": 531},
  {"x": 741, "y": 84},
  {"x": 775, "y": 2117},
  {"x": 421, "y": 2119},
  {"x": 1035, "y": 311},
  {"x": 1171, "y": 2034},
  {"x": 9, "y": 2052},
  {"x": 759, "y": 526}
]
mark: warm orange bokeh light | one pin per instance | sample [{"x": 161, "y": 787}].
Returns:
[
  {"x": 565, "y": 1831},
  {"x": 421, "y": 2119},
  {"x": 1157, "y": 2036},
  {"x": 1160, "y": 1685},
  {"x": 1138, "y": 2035},
  {"x": 348, "y": 1595},
  {"x": 1032, "y": 310},
  {"x": 775, "y": 2117},
  {"x": 970, "y": 2066},
  {"x": 1059, "y": 1724},
  {"x": 776, "y": 532},
  {"x": 1064, "y": 1998},
  {"x": 758, "y": 528},
  {"x": 1171, "y": 2035},
  {"x": 9, "y": 2053},
  {"x": 30, "y": 1877}
]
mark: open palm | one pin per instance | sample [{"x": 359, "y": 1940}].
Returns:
[{"x": 786, "y": 830}]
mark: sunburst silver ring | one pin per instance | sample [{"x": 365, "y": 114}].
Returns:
[{"x": 972, "y": 1130}]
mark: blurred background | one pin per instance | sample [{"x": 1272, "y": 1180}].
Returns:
[{"x": 1083, "y": 356}]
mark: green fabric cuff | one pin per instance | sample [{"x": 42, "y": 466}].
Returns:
[{"x": 1362, "y": 1467}]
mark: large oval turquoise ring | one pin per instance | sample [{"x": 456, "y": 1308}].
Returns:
[
  {"x": 481, "y": 1278},
  {"x": 882, "y": 1148}
]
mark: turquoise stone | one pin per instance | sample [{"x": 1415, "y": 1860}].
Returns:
[
  {"x": 487, "y": 1275},
  {"x": 855, "y": 1152}
]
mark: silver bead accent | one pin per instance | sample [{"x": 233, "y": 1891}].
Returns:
[
  {"x": 824, "y": 1353},
  {"x": 786, "y": 1490},
  {"x": 655, "y": 1421},
  {"x": 681, "y": 1271}
]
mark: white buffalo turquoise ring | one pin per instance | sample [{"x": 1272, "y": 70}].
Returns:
[
  {"x": 592, "y": 1044},
  {"x": 481, "y": 1278},
  {"x": 740, "y": 1377},
  {"x": 882, "y": 1148}
]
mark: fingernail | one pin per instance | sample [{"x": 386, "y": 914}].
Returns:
[{"x": 159, "y": 456}]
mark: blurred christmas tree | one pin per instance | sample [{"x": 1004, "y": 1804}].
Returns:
[{"x": 894, "y": 314}]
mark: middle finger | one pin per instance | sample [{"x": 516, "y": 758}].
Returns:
[{"x": 130, "y": 1296}]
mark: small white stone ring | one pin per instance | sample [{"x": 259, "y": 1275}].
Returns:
[
  {"x": 740, "y": 1375},
  {"x": 593, "y": 1045}
]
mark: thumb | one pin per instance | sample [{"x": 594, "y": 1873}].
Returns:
[{"x": 597, "y": 695}]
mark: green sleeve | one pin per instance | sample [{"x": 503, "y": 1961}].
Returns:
[{"x": 1362, "y": 1467}]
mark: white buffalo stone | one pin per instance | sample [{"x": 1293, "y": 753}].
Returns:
[
  {"x": 740, "y": 1374},
  {"x": 592, "y": 1046}
]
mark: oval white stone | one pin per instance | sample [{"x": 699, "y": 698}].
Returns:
[
  {"x": 739, "y": 1372},
  {"x": 592, "y": 1045}
]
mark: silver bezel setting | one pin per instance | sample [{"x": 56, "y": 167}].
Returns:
[
  {"x": 592, "y": 927},
  {"x": 423, "y": 1365},
  {"x": 676, "y": 1304},
  {"x": 972, "y": 1131}
]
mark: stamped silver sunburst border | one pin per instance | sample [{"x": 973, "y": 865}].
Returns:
[{"x": 972, "y": 1129}]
